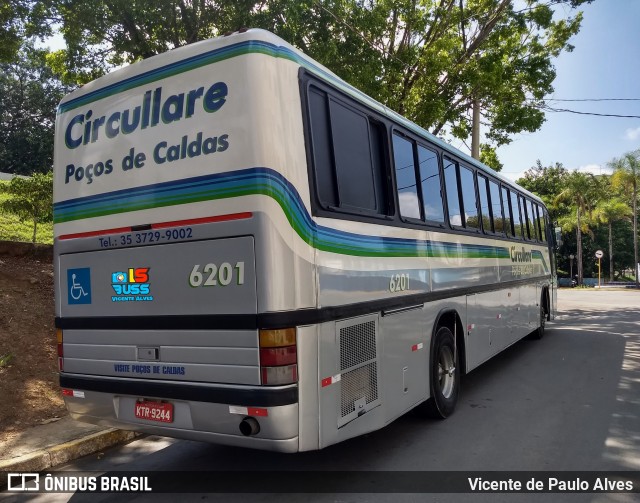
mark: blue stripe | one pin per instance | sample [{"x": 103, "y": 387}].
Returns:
[{"x": 258, "y": 180}]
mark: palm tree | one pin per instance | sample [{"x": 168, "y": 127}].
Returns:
[
  {"x": 626, "y": 175},
  {"x": 579, "y": 192},
  {"x": 608, "y": 212}
]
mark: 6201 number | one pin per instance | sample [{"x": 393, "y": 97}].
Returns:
[
  {"x": 214, "y": 275},
  {"x": 399, "y": 283}
]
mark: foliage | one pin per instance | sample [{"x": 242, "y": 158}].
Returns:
[
  {"x": 600, "y": 207},
  {"x": 30, "y": 199},
  {"x": 427, "y": 60},
  {"x": 5, "y": 360},
  {"x": 489, "y": 156},
  {"x": 626, "y": 177},
  {"x": 547, "y": 182},
  {"x": 30, "y": 94},
  {"x": 580, "y": 192},
  {"x": 21, "y": 19}
]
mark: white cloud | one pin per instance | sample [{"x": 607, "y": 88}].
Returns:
[
  {"x": 594, "y": 169},
  {"x": 632, "y": 134}
]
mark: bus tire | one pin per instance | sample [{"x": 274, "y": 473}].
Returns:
[
  {"x": 444, "y": 376},
  {"x": 539, "y": 332}
]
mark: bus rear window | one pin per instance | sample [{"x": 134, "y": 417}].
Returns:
[{"x": 347, "y": 155}]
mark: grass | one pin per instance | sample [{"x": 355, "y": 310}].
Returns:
[
  {"x": 5, "y": 359},
  {"x": 14, "y": 229}
]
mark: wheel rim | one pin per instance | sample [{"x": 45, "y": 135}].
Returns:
[{"x": 446, "y": 371}]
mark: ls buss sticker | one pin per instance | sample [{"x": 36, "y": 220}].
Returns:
[
  {"x": 79, "y": 286},
  {"x": 131, "y": 285}
]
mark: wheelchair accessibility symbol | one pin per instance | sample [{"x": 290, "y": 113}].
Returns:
[{"x": 79, "y": 285}]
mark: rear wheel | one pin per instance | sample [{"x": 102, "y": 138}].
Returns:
[
  {"x": 445, "y": 376},
  {"x": 539, "y": 333}
]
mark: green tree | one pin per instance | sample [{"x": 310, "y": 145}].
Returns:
[
  {"x": 608, "y": 212},
  {"x": 20, "y": 20},
  {"x": 626, "y": 176},
  {"x": 428, "y": 60},
  {"x": 580, "y": 192},
  {"x": 547, "y": 182},
  {"x": 30, "y": 95},
  {"x": 30, "y": 198}
]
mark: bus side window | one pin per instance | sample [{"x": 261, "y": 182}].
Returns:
[
  {"x": 515, "y": 215},
  {"x": 526, "y": 219},
  {"x": 540, "y": 223},
  {"x": 496, "y": 207},
  {"x": 469, "y": 199},
  {"x": 453, "y": 197},
  {"x": 348, "y": 156},
  {"x": 508, "y": 220},
  {"x": 531, "y": 216},
  {"x": 352, "y": 155},
  {"x": 406, "y": 177},
  {"x": 431, "y": 187},
  {"x": 322, "y": 150},
  {"x": 485, "y": 210}
]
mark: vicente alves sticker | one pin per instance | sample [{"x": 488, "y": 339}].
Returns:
[{"x": 131, "y": 285}]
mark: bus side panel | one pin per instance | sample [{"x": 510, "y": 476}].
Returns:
[
  {"x": 402, "y": 357},
  {"x": 406, "y": 339},
  {"x": 308, "y": 387}
]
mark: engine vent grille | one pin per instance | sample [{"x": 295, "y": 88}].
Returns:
[
  {"x": 357, "y": 344},
  {"x": 358, "y": 367},
  {"x": 357, "y": 384}
]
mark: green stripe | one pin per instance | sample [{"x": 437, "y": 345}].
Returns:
[{"x": 176, "y": 69}]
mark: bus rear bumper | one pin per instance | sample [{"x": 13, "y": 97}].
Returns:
[{"x": 193, "y": 420}]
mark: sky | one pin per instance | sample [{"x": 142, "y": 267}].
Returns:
[{"x": 604, "y": 64}]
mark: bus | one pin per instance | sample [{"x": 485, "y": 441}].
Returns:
[{"x": 249, "y": 251}]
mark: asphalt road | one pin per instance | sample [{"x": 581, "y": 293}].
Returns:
[{"x": 568, "y": 402}]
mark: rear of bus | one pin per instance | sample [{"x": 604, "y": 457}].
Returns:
[{"x": 178, "y": 187}]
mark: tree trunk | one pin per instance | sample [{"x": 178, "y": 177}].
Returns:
[
  {"x": 635, "y": 231},
  {"x": 35, "y": 226},
  {"x": 610, "y": 251},
  {"x": 579, "y": 246},
  {"x": 475, "y": 130}
]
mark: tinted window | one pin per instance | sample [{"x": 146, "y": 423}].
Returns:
[
  {"x": 430, "y": 181},
  {"x": 377, "y": 134},
  {"x": 451, "y": 185},
  {"x": 508, "y": 221},
  {"x": 483, "y": 189},
  {"x": 348, "y": 155},
  {"x": 540, "y": 223},
  {"x": 352, "y": 154},
  {"x": 531, "y": 218},
  {"x": 325, "y": 174},
  {"x": 496, "y": 206},
  {"x": 515, "y": 214},
  {"x": 469, "y": 201},
  {"x": 406, "y": 177}
]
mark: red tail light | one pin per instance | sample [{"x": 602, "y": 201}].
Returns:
[
  {"x": 270, "y": 357},
  {"x": 278, "y": 356}
]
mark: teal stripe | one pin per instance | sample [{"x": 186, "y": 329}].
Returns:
[
  {"x": 265, "y": 181},
  {"x": 182, "y": 66}
]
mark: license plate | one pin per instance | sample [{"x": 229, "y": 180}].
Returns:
[{"x": 155, "y": 411}]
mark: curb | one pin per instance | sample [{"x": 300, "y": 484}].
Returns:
[{"x": 58, "y": 454}]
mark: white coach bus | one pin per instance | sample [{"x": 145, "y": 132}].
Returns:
[{"x": 249, "y": 251}]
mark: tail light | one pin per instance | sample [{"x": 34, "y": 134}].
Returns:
[
  {"x": 278, "y": 356},
  {"x": 60, "y": 350}
]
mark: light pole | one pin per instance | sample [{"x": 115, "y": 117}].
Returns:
[{"x": 571, "y": 257}]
